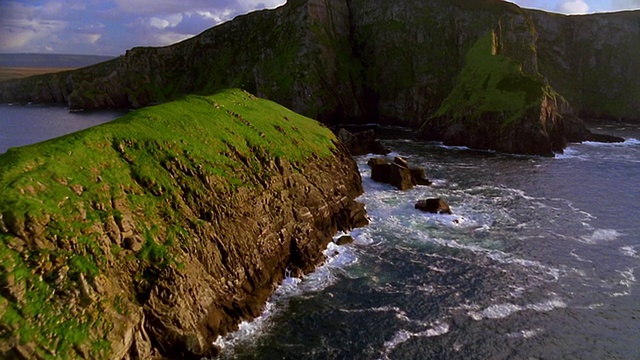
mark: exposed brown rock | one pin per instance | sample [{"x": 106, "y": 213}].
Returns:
[
  {"x": 344, "y": 240},
  {"x": 400, "y": 177},
  {"x": 434, "y": 206},
  {"x": 361, "y": 143},
  {"x": 397, "y": 173}
]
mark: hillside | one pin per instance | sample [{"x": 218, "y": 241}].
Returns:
[
  {"x": 153, "y": 234},
  {"x": 356, "y": 60}
]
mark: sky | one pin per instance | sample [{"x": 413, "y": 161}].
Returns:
[{"x": 110, "y": 27}]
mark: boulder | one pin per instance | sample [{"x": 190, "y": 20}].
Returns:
[
  {"x": 361, "y": 143},
  {"x": 401, "y": 161},
  {"x": 344, "y": 240},
  {"x": 381, "y": 172},
  {"x": 400, "y": 177},
  {"x": 434, "y": 206},
  {"x": 397, "y": 173},
  {"x": 419, "y": 176}
]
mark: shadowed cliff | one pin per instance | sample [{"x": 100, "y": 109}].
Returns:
[
  {"x": 361, "y": 60},
  {"x": 153, "y": 234}
]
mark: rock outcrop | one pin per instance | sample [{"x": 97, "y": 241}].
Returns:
[
  {"x": 500, "y": 104},
  {"x": 434, "y": 206},
  {"x": 397, "y": 173},
  {"x": 151, "y": 235},
  {"x": 361, "y": 143}
]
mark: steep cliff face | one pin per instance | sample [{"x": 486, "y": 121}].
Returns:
[
  {"x": 298, "y": 55},
  {"x": 155, "y": 233},
  {"x": 593, "y": 61},
  {"x": 365, "y": 60}
]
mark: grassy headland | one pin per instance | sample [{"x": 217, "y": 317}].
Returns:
[{"x": 72, "y": 210}]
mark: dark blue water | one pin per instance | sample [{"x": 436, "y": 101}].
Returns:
[
  {"x": 24, "y": 125},
  {"x": 538, "y": 261}
]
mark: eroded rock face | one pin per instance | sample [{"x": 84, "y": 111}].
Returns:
[
  {"x": 150, "y": 239},
  {"x": 361, "y": 143},
  {"x": 254, "y": 237},
  {"x": 365, "y": 60}
]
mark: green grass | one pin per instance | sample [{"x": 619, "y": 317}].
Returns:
[
  {"x": 492, "y": 83},
  {"x": 59, "y": 194}
]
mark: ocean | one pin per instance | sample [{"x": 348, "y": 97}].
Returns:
[
  {"x": 24, "y": 125},
  {"x": 539, "y": 259}
]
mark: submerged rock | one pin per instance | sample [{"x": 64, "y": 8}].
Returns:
[
  {"x": 434, "y": 206},
  {"x": 344, "y": 240}
]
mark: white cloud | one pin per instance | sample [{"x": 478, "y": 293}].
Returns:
[
  {"x": 573, "y": 7},
  {"x": 16, "y": 34}
]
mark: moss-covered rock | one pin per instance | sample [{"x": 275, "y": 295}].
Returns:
[
  {"x": 498, "y": 104},
  {"x": 155, "y": 233}
]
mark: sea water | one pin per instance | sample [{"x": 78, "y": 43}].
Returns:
[
  {"x": 539, "y": 260},
  {"x": 24, "y": 125}
]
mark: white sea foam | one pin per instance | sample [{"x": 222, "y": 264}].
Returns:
[
  {"x": 337, "y": 257},
  {"x": 600, "y": 236},
  {"x": 629, "y": 251},
  {"x": 525, "y": 334},
  {"x": 568, "y": 153},
  {"x": 500, "y": 311},
  {"x": 579, "y": 258},
  {"x": 402, "y": 336},
  {"x": 627, "y": 142},
  {"x": 628, "y": 278}
]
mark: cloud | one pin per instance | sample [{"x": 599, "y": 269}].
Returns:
[
  {"x": 625, "y": 4},
  {"x": 573, "y": 7}
]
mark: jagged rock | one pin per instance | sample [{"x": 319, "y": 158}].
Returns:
[
  {"x": 419, "y": 176},
  {"x": 344, "y": 240},
  {"x": 400, "y": 177},
  {"x": 397, "y": 173},
  {"x": 361, "y": 143},
  {"x": 133, "y": 243},
  {"x": 434, "y": 206},
  {"x": 380, "y": 170},
  {"x": 401, "y": 162}
]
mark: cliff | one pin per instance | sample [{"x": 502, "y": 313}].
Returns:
[
  {"x": 499, "y": 104},
  {"x": 151, "y": 235},
  {"x": 361, "y": 60},
  {"x": 347, "y": 61}
]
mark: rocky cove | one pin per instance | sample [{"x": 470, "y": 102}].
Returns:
[{"x": 151, "y": 235}]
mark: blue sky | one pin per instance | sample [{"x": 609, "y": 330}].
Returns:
[{"x": 110, "y": 27}]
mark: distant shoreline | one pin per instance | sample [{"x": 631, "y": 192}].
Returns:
[{"x": 8, "y": 73}]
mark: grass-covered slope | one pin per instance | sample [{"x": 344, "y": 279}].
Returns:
[
  {"x": 498, "y": 106},
  {"x": 492, "y": 83},
  {"x": 90, "y": 221}
]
